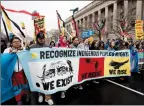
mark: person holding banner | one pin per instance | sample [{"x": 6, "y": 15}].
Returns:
[
  {"x": 3, "y": 45},
  {"x": 52, "y": 44},
  {"x": 84, "y": 45},
  {"x": 74, "y": 45},
  {"x": 101, "y": 45},
  {"x": 94, "y": 45},
  {"x": 75, "y": 42},
  {"x": 18, "y": 76},
  {"x": 112, "y": 46},
  {"x": 63, "y": 42},
  {"x": 40, "y": 43}
]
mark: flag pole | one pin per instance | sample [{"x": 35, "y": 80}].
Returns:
[
  {"x": 25, "y": 32},
  {"x": 67, "y": 32},
  {"x": 6, "y": 30}
]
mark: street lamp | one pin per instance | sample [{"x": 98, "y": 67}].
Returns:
[{"x": 74, "y": 10}]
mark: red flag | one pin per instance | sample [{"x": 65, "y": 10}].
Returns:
[
  {"x": 22, "y": 11},
  {"x": 61, "y": 24},
  {"x": 75, "y": 26}
]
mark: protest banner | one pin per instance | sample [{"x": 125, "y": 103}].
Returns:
[
  {"x": 139, "y": 30},
  {"x": 57, "y": 69},
  {"x": 141, "y": 57}
]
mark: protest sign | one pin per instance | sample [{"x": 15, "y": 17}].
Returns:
[
  {"x": 39, "y": 25},
  {"x": 87, "y": 33}
]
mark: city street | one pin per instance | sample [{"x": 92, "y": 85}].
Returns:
[
  {"x": 48, "y": 46},
  {"x": 107, "y": 92}
]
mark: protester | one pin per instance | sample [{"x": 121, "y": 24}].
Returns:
[
  {"x": 112, "y": 46},
  {"x": 142, "y": 45},
  {"x": 52, "y": 44},
  {"x": 137, "y": 45},
  {"x": 31, "y": 43},
  {"x": 40, "y": 43},
  {"x": 84, "y": 45},
  {"x": 63, "y": 43},
  {"x": 75, "y": 42},
  {"x": 18, "y": 75},
  {"x": 3, "y": 45},
  {"x": 101, "y": 45},
  {"x": 94, "y": 45},
  {"x": 74, "y": 45},
  {"x": 107, "y": 44}
]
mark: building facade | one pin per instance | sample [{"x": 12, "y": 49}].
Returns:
[{"x": 108, "y": 9}]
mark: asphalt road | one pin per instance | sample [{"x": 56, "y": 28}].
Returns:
[{"x": 107, "y": 92}]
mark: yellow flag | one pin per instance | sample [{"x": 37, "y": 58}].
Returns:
[
  {"x": 22, "y": 25},
  {"x": 139, "y": 32},
  {"x": 8, "y": 23}
]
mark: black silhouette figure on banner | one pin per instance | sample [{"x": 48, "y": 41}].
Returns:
[
  {"x": 47, "y": 74},
  {"x": 117, "y": 65},
  {"x": 88, "y": 60},
  {"x": 59, "y": 67},
  {"x": 70, "y": 66}
]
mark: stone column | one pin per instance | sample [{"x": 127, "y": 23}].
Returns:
[
  {"x": 88, "y": 21},
  {"x": 106, "y": 17},
  {"x": 125, "y": 8},
  {"x": 79, "y": 22},
  {"x": 114, "y": 15},
  {"x": 93, "y": 17},
  {"x": 99, "y": 14},
  {"x": 139, "y": 10},
  {"x": 85, "y": 22}
]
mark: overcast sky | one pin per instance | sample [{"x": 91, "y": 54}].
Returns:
[{"x": 47, "y": 8}]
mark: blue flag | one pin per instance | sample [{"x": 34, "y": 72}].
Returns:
[
  {"x": 8, "y": 62},
  {"x": 134, "y": 60}
]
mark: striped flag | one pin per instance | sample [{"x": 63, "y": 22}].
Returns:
[
  {"x": 4, "y": 12},
  {"x": 74, "y": 26},
  {"x": 5, "y": 29},
  {"x": 7, "y": 21},
  {"x": 61, "y": 24}
]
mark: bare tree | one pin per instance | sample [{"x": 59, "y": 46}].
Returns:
[
  {"x": 123, "y": 23},
  {"x": 54, "y": 34},
  {"x": 99, "y": 26}
]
